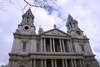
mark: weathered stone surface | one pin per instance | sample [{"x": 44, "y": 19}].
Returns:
[{"x": 52, "y": 48}]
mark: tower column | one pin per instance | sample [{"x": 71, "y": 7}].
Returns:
[
  {"x": 94, "y": 63},
  {"x": 16, "y": 65},
  {"x": 10, "y": 65}
]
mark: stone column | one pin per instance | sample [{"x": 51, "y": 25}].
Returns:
[
  {"x": 80, "y": 63},
  {"x": 83, "y": 63},
  {"x": 44, "y": 45},
  {"x": 69, "y": 47},
  {"x": 41, "y": 62},
  {"x": 63, "y": 45},
  {"x": 60, "y": 45},
  {"x": 52, "y": 63},
  {"x": 10, "y": 65},
  {"x": 63, "y": 64},
  {"x": 53, "y": 45},
  {"x": 41, "y": 45},
  {"x": 16, "y": 65},
  {"x": 34, "y": 63},
  {"x": 66, "y": 63},
  {"x": 75, "y": 63},
  {"x": 55, "y": 63},
  {"x": 30, "y": 64},
  {"x": 45, "y": 65},
  {"x": 72, "y": 63}
]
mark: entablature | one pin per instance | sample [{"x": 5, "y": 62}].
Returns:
[
  {"x": 80, "y": 40},
  {"x": 57, "y": 37}
]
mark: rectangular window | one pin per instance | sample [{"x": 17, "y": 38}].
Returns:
[
  {"x": 24, "y": 45},
  {"x": 82, "y": 46},
  {"x": 38, "y": 47},
  {"x": 73, "y": 48}
]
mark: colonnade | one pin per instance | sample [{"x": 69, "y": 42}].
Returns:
[
  {"x": 55, "y": 45},
  {"x": 57, "y": 63}
]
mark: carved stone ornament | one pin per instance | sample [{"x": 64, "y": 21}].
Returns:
[{"x": 17, "y": 31}]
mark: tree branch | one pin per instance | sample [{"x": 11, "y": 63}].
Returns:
[{"x": 31, "y": 4}]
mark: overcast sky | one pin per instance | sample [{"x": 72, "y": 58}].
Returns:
[{"x": 86, "y": 12}]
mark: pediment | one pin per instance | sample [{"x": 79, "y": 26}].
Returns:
[{"x": 55, "y": 32}]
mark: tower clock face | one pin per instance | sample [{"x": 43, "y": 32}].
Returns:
[
  {"x": 26, "y": 27},
  {"x": 78, "y": 32}
]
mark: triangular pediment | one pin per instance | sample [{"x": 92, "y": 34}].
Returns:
[{"x": 55, "y": 32}]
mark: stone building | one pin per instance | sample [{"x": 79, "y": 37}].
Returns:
[{"x": 52, "y": 48}]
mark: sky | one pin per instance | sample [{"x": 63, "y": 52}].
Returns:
[{"x": 87, "y": 13}]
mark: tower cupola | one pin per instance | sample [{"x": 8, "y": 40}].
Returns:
[
  {"x": 28, "y": 17},
  {"x": 73, "y": 28},
  {"x": 72, "y": 24},
  {"x": 27, "y": 25}
]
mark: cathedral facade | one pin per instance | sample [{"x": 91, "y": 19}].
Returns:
[{"x": 52, "y": 48}]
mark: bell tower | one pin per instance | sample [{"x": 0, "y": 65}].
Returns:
[
  {"x": 79, "y": 40},
  {"x": 24, "y": 41},
  {"x": 28, "y": 18},
  {"x": 73, "y": 28},
  {"x": 22, "y": 37},
  {"x": 27, "y": 25}
]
